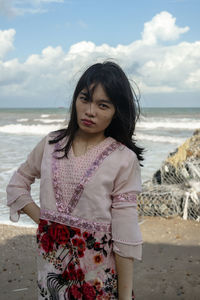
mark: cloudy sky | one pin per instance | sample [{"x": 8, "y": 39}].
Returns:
[{"x": 45, "y": 45}]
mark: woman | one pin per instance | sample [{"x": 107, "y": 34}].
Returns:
[{"x": 88, "y": 233}]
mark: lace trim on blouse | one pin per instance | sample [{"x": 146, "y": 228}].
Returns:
[
  {"x": 127, "y": 199},
  {"x": 74, "y": 221}
]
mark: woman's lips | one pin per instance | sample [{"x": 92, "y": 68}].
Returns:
[{"x": 87, "y": 122}]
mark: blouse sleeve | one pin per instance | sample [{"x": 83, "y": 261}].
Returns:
[
  {"x": 19, "y": 187},
  {"x": 126, "y": 235}
]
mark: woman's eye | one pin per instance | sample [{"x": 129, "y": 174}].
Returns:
[
  {"x": 84, "y": 99},
  {"x": 103, "y": 106}
]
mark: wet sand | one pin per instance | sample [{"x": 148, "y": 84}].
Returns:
[{"x": 170, "y": 268}]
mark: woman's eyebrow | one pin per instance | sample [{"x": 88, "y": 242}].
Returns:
[
  {"x": 84, "y": 93},
  {"x": 105, "y": 101}
]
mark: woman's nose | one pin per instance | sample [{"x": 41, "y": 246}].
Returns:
[{"x": 91, "y": 112}]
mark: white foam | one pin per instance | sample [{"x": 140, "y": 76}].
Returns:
[
  {"x": 28, "y": 129},
  {"x": 187, "y": 125},
  {"x": 50, "y": 120},
  {"x": 160, "y": 139},
  {"x": 22, "y": 120},
  {"x": 44, "y": 116}
]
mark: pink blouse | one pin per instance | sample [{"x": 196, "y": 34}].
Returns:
[{"x": 96, "y": 191}]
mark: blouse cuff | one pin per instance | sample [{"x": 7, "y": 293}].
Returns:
[
  {"x": 126, "y": 233},
  {"x": 17, "y": 205},
  {"x": 133, "y": 251}
]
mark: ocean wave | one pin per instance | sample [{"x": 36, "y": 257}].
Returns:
[
  {"x": 22, "y": 120},
  {"x": 44, "y": 116},
  {"x": 28, "y": 129},
  {"x": 50, "y": 120},
  {"x": 160, "y": 139},
  {"x": 190, "y": 125}
]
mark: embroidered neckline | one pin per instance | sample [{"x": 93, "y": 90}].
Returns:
[{"x": 61, "y": 205}]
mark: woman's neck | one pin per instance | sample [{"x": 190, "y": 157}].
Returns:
[
  {"x": 90, "y": 139},
  {"x": 84, "y": 141}
]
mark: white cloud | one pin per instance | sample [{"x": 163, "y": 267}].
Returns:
[
  {"x": 155, "y": 66},
  {"x": 12, "y": 8},
  {"x": 193, "y": 79},
  {"x": 162, "y": 27},
  {"x": 6, "y": 41}
]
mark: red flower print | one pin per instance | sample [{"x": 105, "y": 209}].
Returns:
[
  {"x": 75, "y": 242},
  {"x": 41, "y": 225},
  {"x": 74, "y": 291},
  {"x": 47, "y": 243},
  {"x": 85, "y": 234},
  {"x": 81, "y": 245},
  {"x": 98, "y": 284},
  {"x": 80, "y": 275},
  {"x": 72, "y": 275},
  {"x": 71, "y": 267},
  {"x": 65, "y": 275},
  {"x": 53, "y": 231},
  {"x": 59, "y": 233},
  {"x": 97, "y": 246},
  {"x": 80, "y": 253},
  {"x": 101, "y": 296},
  {"x": 88, "y": 291},
  {"x": 98, "y": 259},
  {"x": 77, "y": 231}
]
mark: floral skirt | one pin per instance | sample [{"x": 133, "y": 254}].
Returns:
[{"x": 75, "y": 264}]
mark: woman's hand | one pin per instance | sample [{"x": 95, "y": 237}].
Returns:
[
  {"x": 125, "y": 277},
  {"x": 33, "y": 211}
]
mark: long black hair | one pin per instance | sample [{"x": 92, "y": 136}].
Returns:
[{"x": 123, "y": 97}]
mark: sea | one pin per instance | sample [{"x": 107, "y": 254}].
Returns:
[{"x": 159, "y": 131}]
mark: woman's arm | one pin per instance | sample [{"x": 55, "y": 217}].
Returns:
[
  {"x": 33, "y": 211},
  {"x": 19, "y": 187},
  {"x": 125, "y": 277},
  {"x": 126, "y": 235}
]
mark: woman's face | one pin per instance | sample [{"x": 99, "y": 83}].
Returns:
[{"x": 94, "y": 116}]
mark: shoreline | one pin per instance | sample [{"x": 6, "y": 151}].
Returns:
[{"x": 12, "y": 224}]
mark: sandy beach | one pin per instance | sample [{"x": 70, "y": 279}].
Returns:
[{"x": 170, "y": 268}]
